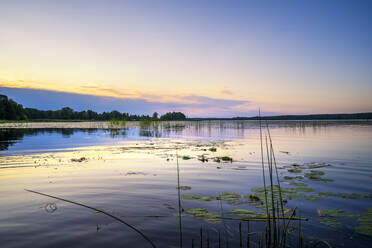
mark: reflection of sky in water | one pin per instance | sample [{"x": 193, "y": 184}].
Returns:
[{"x": 130, "y": 181}]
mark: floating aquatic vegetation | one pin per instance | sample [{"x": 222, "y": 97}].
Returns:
[
  {"x": 314, "y": 165},
  {"x": 291, "y": 178},
  {"x": 195, "y": 211},
  {"x": 202, "y": 158},
  {"x": 327, "y": 194},
  {"x": 315, "y": 176},
  {"x": 293, "y": 196},
  {"x": 297, "y": 165},
  {"x": 345, "y": 195},
  {"x": 318, "y": 173},
  {"x": 231, "y": 198},
  {"x": 226, "y": 159},
  {"x": 366, "y": 223},
  {"x": 252, "y": 197},
  {"x": 213, "y": 149},
  {"x": 79, "y": 159},
  {"x": 243, "y": 212},
  {"x": 227, "y": 196},
  {"x": 312, "y": 198},
  {"x": 202, "y": 213},
  {"x": 294, "y": 170},
  {"x": 184, "y": 188},
  {"x": 337, "y": 213},
  {"x": 198, "y": 197},
  {"x": 330, "y": 222},
  {"x": 186, "y": 157}
]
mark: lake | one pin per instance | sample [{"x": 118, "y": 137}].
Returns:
[{"x": 324, "y": 170}]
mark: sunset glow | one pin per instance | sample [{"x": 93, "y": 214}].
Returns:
[{"x": 204, "y": 58}]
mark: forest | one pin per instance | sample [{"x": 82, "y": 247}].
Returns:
[{"x": 11, "y": 110}]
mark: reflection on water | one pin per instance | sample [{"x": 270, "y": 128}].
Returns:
[
  {"x": 325, "y": 168},
  {"x": 209, "y": 129}
]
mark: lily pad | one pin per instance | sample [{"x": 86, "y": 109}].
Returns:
[
  {"x": 226, "y": 196},
  {"x": 314, "y": 177},
  {"x": 243, "y": 212},
  {"x": 338, "y": 213},
  {"x": 202, "y": 213},
  {"x": 196, "y": 211},
  {"x": 252, "y": 197},
  {"x": 330, "y": 222},
  {"x": 197, "y": 197},
  {"x": 294, "y": 170},
  {"x": 319, "y": 173}
]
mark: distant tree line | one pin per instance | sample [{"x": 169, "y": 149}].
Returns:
[
  {"x": 10, "y": 110},
  {"x": 360, "y": 116}
]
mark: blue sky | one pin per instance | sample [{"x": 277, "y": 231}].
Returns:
[{"x": 205, "y": 58}]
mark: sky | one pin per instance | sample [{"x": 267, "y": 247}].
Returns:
[{"x": 204, "y": 58}]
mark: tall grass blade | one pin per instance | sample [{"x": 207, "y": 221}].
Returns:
[
  {"x": 264, "y": 181},
  {"x": 179, "y": 199}
]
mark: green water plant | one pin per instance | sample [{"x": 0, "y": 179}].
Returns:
[
  {"x": 203, "y": 214},
  {"x": 330, "y": 222},
  {"x": 198, "y": 197},
  {"x": 365, "y": 221}
]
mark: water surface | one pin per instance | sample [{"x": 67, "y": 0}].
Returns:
[{"x": 132, "y": 173}]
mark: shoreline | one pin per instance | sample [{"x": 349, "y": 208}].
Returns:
[{"x": 134, "y": 124}]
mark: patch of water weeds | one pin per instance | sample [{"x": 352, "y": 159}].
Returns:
[
  {"x": 244, "y": 212},
  {"x": 228, "y": 196},
  {"x": 292, "y": 178},
  {"x": 252, "y": 197},
  {"x": 316, "y": 176},
  {"x": 226, "y": 159},
  {"x": 198, "y": 197},
  {"x": 330, "y": 222},
  {"x": 366, "y": 223},
  {"x": 336, "y": 213},
  {"x": 345, "y": 195},
  {"x": 213, "y": 149},
  {"x": 79, "y": 160},
  {"x": 231, "y": 198},
  {"x": 203, "y": 214},
  {"x": 295, "y": 170},
  {"x": 184, "y": 188},
  {"x": 287, "y": 193}
]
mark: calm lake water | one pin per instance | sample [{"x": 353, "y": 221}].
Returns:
[{"x": 132, "y": 174}]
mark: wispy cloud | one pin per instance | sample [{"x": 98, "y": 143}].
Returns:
[{"x": 133, "y": 102}]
